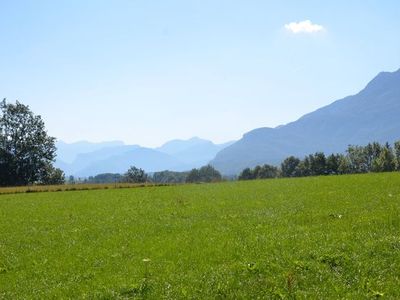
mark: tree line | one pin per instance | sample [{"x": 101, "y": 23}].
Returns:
[
  {"x": 374, "y": 157},
  {"x": 27, "y": 155},
  {"x": 138, "y": 175}
]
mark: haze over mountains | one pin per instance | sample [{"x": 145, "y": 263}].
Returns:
[
  {"x": 83, "y": 159},
  {"x": 371, "y": 115}
]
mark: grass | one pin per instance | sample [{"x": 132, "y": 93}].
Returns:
[
  {"x": 73, "y": 187},
  {"x": 322, "y": 237}
]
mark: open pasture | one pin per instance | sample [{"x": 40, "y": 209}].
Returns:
[{"x": 322, "y": 237}]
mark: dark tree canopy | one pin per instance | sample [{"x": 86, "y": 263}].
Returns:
[
  {"x": 135, "y": 175},
  {"x": 169, "y": 177},
  {"x": 26, "y": 151},
  {"x": 204, "y": 174},
  {"x": 259, "y": 172},
  {"x": 373, "y": 157},
  {"x": 289, "y": 166}
]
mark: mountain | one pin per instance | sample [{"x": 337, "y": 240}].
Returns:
[
  {"x": 148, "y": 159},
  {"x": 66, "y": 153},
  {"x": 85, "y": 159},
  {"x": 176, "y": 146},
  {"x": 194, "y": 152},
  {"x": 371, "y": 115}
]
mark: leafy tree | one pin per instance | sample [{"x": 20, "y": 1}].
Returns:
[
  {"x": 372, "y": 152},
  {"x": 289, "y": 167},
  {"x": 246, "y": 174},
  {"x": 267, "y": 171},
  {"x": 304, "y": 167},
  {"x": 193, "y": 176},
  {"x": 256, "y": 171},
  {"x": 332, "y": 164},
  {"x": 209, "y": 174},
  {"x": 106, "y": 178},
  {"x": 26, "y": 150},
  {"x": 386, "y": 161},
  {"x": 259, "y": 172},
  {"x": 397, "y": 154},
  {"x": 53, "y": 176},
  {"x": 358, "y": 157},
  {"x": 204, "y": 174},
  {"x": 170, "y": 177},
  {"x": 317, "y": 163},
  {"x": 135, "y": 175}
]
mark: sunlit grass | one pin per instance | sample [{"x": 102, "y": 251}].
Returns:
[
  {"x": 327, "y": 237},
  {"x": 73, "y": 187}
]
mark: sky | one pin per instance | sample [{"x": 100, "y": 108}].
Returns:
[{"x": 148, "y": 71}]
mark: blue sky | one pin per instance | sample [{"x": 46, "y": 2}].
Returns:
[{"x": 149, "y": 71}]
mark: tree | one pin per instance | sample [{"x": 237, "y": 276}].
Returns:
[
  {"x": 358, "y": 158},
  {"x": 386, "y": 161},
  {"x": 372, "y": 152},
  {"x": 135, "y": 175},
  {"x": 246, "y": 174},
  {"x": 332, "y": 164},
  {"x": 106, "y": 178},
  {"x": 53, "y": 176},
  {"x": 289, "y": 167},
  {"x": 397, "y": 154},
  {"x": 267, "y": 171},
  {"x": 71, "y": 179},
  {"x": 169, "y": 177},
  {"x": 209, "y": 174},
  {"x": 204, "y": 174},
  {"x": 26, "y": 150},
  {"x": 193, "y": 176},
  {"x": 317, "y": 163},
  {"x": 304, "y": 167}
]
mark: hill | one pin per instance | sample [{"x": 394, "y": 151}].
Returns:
[{"x": 370, "y": 115}]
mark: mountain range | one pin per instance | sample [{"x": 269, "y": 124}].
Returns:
[
  {"x": 83, "y": 159},
  {"x": 371, "y": 115}
]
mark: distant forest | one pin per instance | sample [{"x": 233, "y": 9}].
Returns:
[{"x": 373, "y": 157}]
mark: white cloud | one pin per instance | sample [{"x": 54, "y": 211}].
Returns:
[{"x": 304, "y": 27}]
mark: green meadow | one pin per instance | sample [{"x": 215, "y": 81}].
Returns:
[{"x": 334, "y": 237}]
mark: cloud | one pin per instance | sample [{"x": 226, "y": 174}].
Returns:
[{"x": 304, "y": 27}]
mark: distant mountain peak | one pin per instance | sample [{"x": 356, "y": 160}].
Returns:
[{"x": 371, "y": 115}]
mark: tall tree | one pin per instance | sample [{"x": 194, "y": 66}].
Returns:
[
  {"x": 332, "y": 164},
  {"x": 304, "y": 167},
  {"x": 386, "y": 161},
  {"x": 246, "y": 174},
  {"x": 317, "y": 163},
  {"x": 267, "y": 171},
  {"x": 289, "y": 166},
  {"x": 397, "y": 154},
  {"x": 358, "y": 159},
  {"x": 27, "y": 152},
  {"x": 193, "y": 176},
  {"x": 204, "y": 174},
  {"x": 135, "y": 175}
]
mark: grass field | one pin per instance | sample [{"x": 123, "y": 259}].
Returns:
[
  {"x": 73, "y": 187},
  {"x": 325, "y": 237}
]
